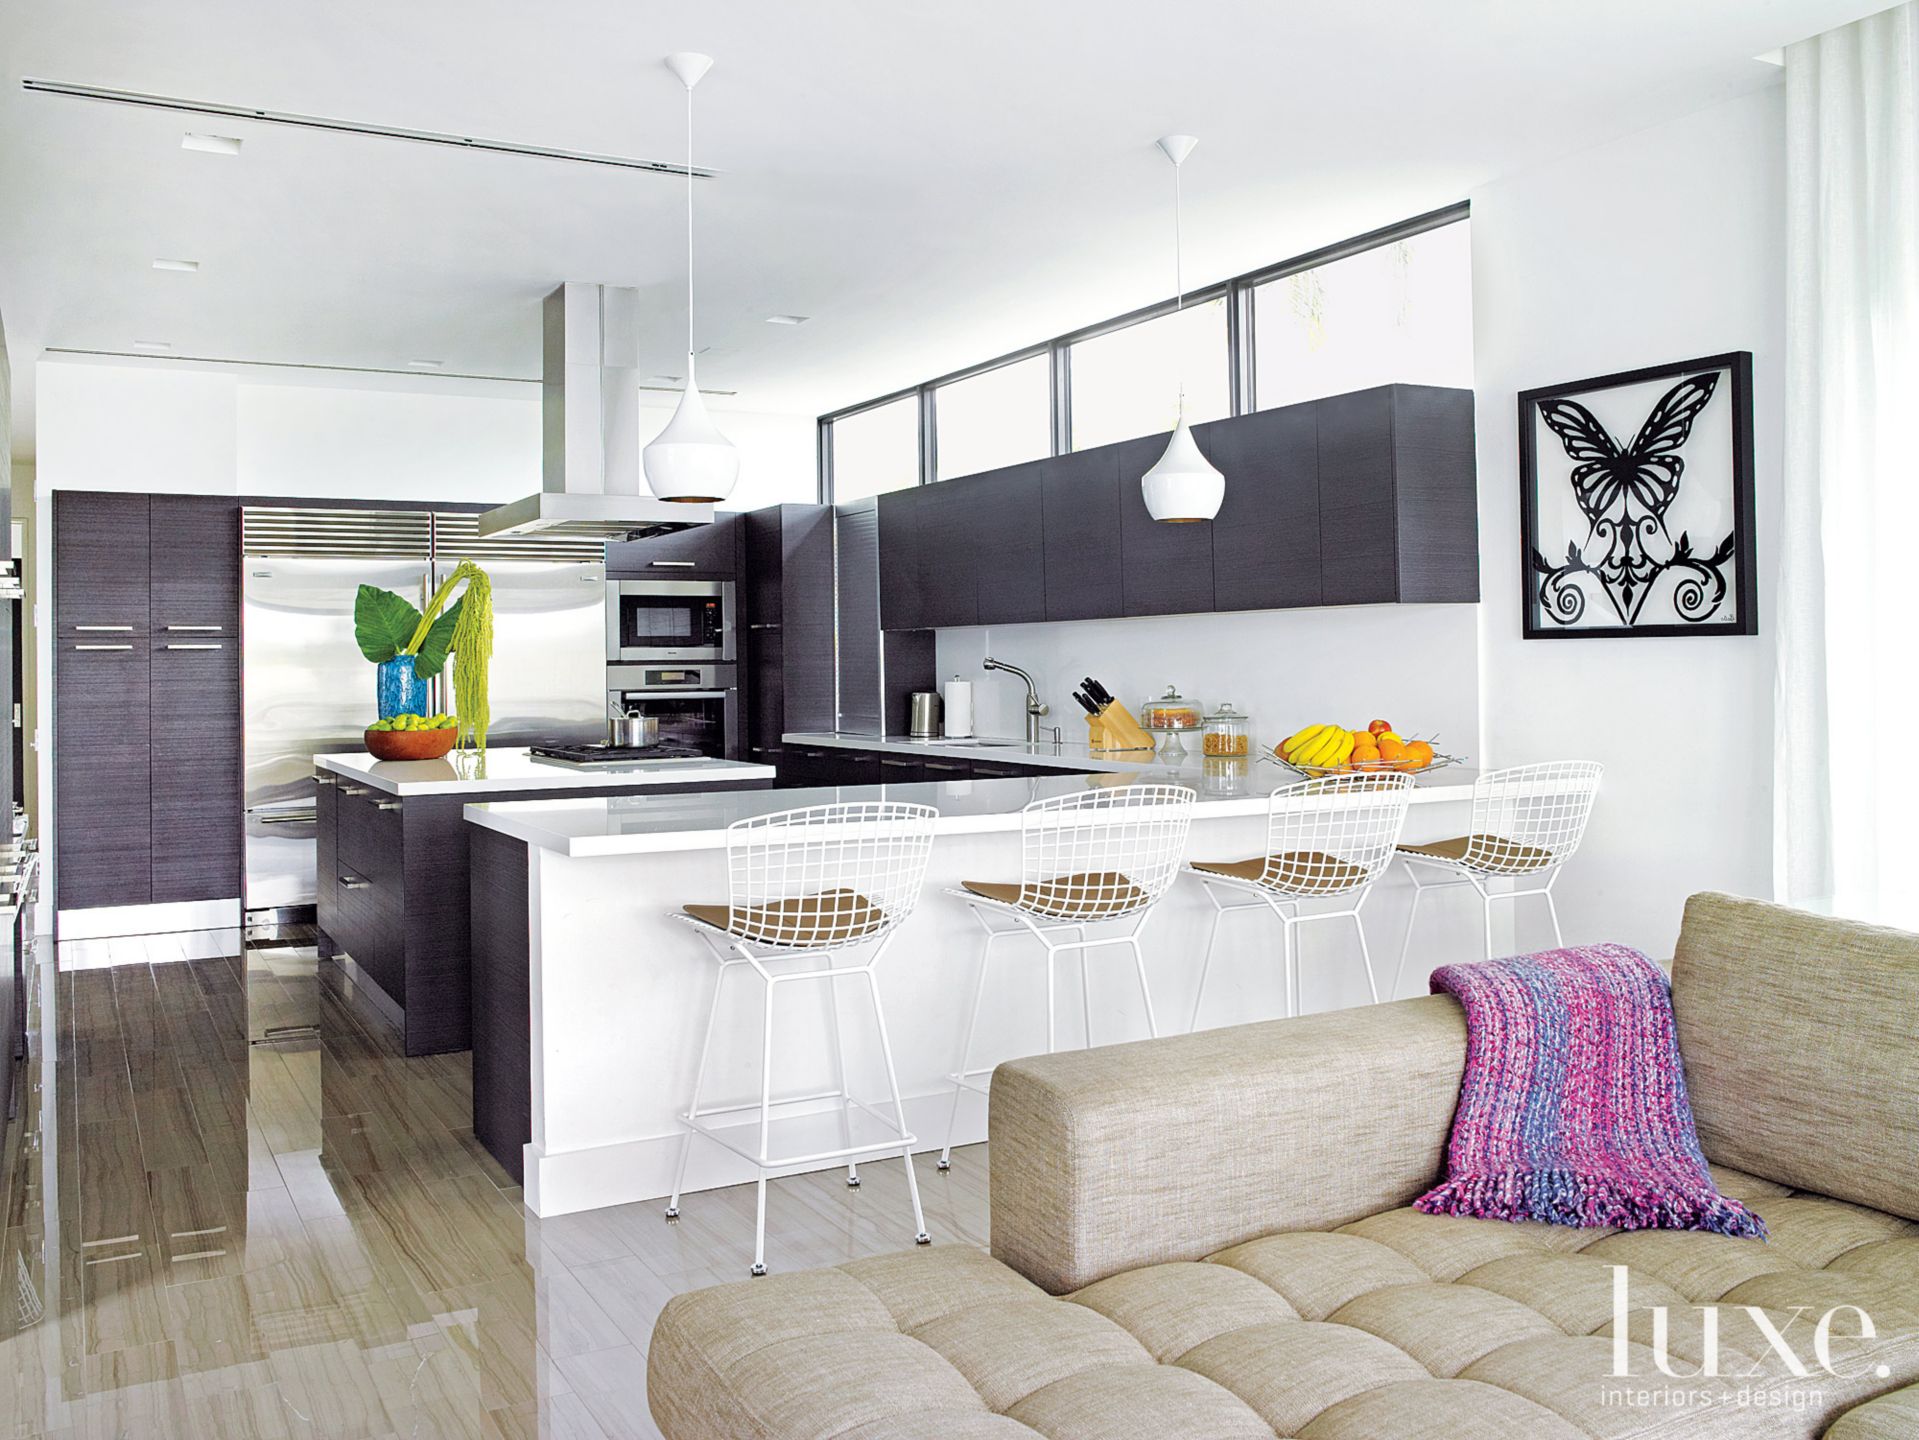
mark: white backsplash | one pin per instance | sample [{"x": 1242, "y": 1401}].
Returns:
[{"x": 1415, "y": 665}]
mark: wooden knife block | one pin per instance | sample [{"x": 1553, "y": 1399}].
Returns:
[{"x": 1114, "y": 728}]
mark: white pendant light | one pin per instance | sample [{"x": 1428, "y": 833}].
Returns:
[
  {"x": 690, "y": 460},
  {"x": 1183, "y": 486}
]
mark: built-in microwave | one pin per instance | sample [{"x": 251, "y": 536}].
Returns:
[{"x": 656, "y": 620}]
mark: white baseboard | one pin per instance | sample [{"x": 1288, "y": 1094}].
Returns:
[
  {"x": 103, "y": 921},
  {"x": 634, "y": 1170}
]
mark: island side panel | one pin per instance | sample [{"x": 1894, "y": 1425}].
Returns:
[{"x": 501, "y": 999}]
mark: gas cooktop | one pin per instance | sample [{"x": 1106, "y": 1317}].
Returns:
[{"x": 586, "y": 755}]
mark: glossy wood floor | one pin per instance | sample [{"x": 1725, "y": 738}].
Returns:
[{"x": 233, "y": 1209}]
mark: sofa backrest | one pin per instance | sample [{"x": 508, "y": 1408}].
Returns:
[
  {"x": 1801, "y": 1040},
  {"x": 1128, "y": 1155}
]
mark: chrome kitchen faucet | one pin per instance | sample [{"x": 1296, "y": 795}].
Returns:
[{"x": 1035, "y": 708}]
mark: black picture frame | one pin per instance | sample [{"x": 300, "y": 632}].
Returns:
[{"x": 1741, "y": 586}]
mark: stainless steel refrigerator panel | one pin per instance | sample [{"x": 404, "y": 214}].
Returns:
[
  {"x": 548, "y": 679},
  {"x": 308, "y": 691}
]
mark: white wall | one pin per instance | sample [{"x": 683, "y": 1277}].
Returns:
[
  {"x": 1663, "y": 246},
  {"x": 1411, "y": 664}
]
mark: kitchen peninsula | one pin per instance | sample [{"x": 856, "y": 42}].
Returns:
[
  {"x": 589, "y": 997},
  {"x": 392, "y": 864}
]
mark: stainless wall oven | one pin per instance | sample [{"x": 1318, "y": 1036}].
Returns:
[
  {"x": 669, "y": 620},
  {"x": 696, "y": 705}
]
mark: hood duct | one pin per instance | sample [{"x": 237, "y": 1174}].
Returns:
[{"x": 590, "y": 481}]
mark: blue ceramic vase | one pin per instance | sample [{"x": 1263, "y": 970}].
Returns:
[{"x": 398, "y": 689}]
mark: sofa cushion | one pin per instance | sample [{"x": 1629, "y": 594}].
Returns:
[
  {"x": 1398, "y": 1324},
  {"x": 1798, "y": 1033}
]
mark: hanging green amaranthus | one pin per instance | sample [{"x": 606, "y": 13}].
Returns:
[{"x": 469, "y": 627}]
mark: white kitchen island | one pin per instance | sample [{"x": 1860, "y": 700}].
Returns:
[{"x": 590, "y": 998}]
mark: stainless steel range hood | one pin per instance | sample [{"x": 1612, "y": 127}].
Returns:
[{"x": 590, "y": 480}]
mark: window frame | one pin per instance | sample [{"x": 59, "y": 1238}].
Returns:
[{"x": 1241, "y": 347}]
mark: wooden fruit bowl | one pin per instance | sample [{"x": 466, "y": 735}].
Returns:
[{"x": 410, "y": 744}]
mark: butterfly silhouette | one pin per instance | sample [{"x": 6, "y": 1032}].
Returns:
[{"x": 1624, "y": 495}]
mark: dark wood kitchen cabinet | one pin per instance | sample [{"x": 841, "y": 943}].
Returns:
[
  {"x": 788, "y": 633},
  {"x": 1357, "y": 499},
  {"x": 699, "y": 552},
  {"x": 147, "y": 713},
  {"x": 1079, "y": 504}
]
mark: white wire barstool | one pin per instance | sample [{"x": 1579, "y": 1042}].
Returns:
[
  {"x": 1085, "y": 859},
  {"x": 807, "y": 888},
  {"x": 1326, "y": 840},
  {"x": 1527, "y": 821}
]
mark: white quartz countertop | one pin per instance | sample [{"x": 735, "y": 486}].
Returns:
[
  {"x": 643, "y": 824},
  {"x": 1068, "y": 754},
  {"x": 513, "y": 768}
]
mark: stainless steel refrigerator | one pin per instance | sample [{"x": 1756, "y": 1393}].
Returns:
[{"x": 308, "y": 690}]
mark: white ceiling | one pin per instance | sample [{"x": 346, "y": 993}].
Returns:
[{"x": 933, "y": 185}]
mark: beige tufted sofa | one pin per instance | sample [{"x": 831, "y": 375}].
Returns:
[{"x": 1209, "y": 1237}]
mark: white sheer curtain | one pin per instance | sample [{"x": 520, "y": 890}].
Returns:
[{"x": 1847, "y": 761}]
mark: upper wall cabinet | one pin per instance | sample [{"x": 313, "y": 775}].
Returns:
[
  {"x": 699, "y": 552},
  {"x": 1359, "y": 499}
]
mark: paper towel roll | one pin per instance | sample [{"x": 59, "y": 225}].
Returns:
[{"x": 959, "y": 709}]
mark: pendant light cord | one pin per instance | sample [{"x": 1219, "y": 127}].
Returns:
[
  {"x": 689, "y": 234},
  {"x": 1179, "y": 277}
]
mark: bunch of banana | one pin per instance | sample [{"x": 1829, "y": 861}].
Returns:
[{"x": 1318, "y": 745}]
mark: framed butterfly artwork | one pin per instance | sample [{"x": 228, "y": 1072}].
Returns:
[{"x": 1635, "y": 496}]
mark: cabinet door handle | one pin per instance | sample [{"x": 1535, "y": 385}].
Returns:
[
  {"x": 105, "y": 629},
  {"x": 672, "y": 564},
  {"x": 386, "y": 805},
  {"x": 103, "y": 647},
  {"x": 200, "y": 629},
  {"x": 903, "y": 764},
  {"x": 353, "y": 789},
  {"x": 196, "y": 645},
  {"x": 324, "y": 780},
  {"x": 351, "y": 882},
  {"x": 763, "y": 625},
  {"x": 931, "y": 766}
]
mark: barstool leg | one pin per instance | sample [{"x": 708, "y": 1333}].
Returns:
[
  {"x": 1139, "y": 965},
  {"x": 1486, "y": 906},
  {"x": 766, "y": 1121},
  {"x": 839, "y": 1070},
  {"x": 1206, "y": 964},
  {"x": 966, "y": 1045},
  {"x": 1406, "y": 941},
  {"x": 699, "y": 1085},
  {"x": 920, "y": 1237},
  {"x": 1366, "y": 955},
  {"x": 1085, "y": 989},
  {"x": 1287, "y": 947},
  {"x": 1559, "y": 940}
]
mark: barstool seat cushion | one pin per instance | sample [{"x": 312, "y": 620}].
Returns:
[
  {"x": 1484, "y": 852},
  {"x": 831, "y": 917},
  {"x": 1089, "y": 896},
  {"x": 1302, "y": 872}
]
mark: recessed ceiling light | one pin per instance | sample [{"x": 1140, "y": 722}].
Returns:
[
  {"x": 787, "y": 319},
  {"x": 152, "y": 347},
  {"x": 188, "y": 266},
  {"x": 210, "y": 144},
  {"x": 424, "y": 364}
]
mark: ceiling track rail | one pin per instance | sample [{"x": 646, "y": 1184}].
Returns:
[{"x": 145, "y": 101}]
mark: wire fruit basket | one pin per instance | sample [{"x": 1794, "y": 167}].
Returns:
[{"x": 1366, "y": 767}]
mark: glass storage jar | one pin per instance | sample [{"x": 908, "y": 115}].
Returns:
[{"x": 1229, "y": 732}]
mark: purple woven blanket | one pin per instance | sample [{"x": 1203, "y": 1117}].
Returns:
[{"x": 1573, "y": 1108}]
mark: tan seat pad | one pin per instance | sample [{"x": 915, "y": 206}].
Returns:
[
  {"x": 1089, "y": 896},
  {"x": 1298, "y": 872},
  {"x": 831, "y": 917},
  {"x": 1485, "y": 852}
]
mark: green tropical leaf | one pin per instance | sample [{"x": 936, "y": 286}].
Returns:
[
  {"x": 382, "y": 622},
  {"x": 439, "y": 640}
]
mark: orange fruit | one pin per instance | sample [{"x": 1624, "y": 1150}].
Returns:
[
  {"x": 1418, "y": 755},
  {"x": 1391, "y": 747}
]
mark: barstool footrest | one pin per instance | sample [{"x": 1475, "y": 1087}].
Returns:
[
  {"x": 978, "y": 1081},
  {"x": 847, "y": 1133}
]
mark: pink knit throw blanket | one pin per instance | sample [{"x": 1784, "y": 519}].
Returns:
[{"x": 1573, "y": 1108}]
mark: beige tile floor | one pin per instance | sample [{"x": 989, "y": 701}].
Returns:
[{"x": 208, "y": 1232}]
